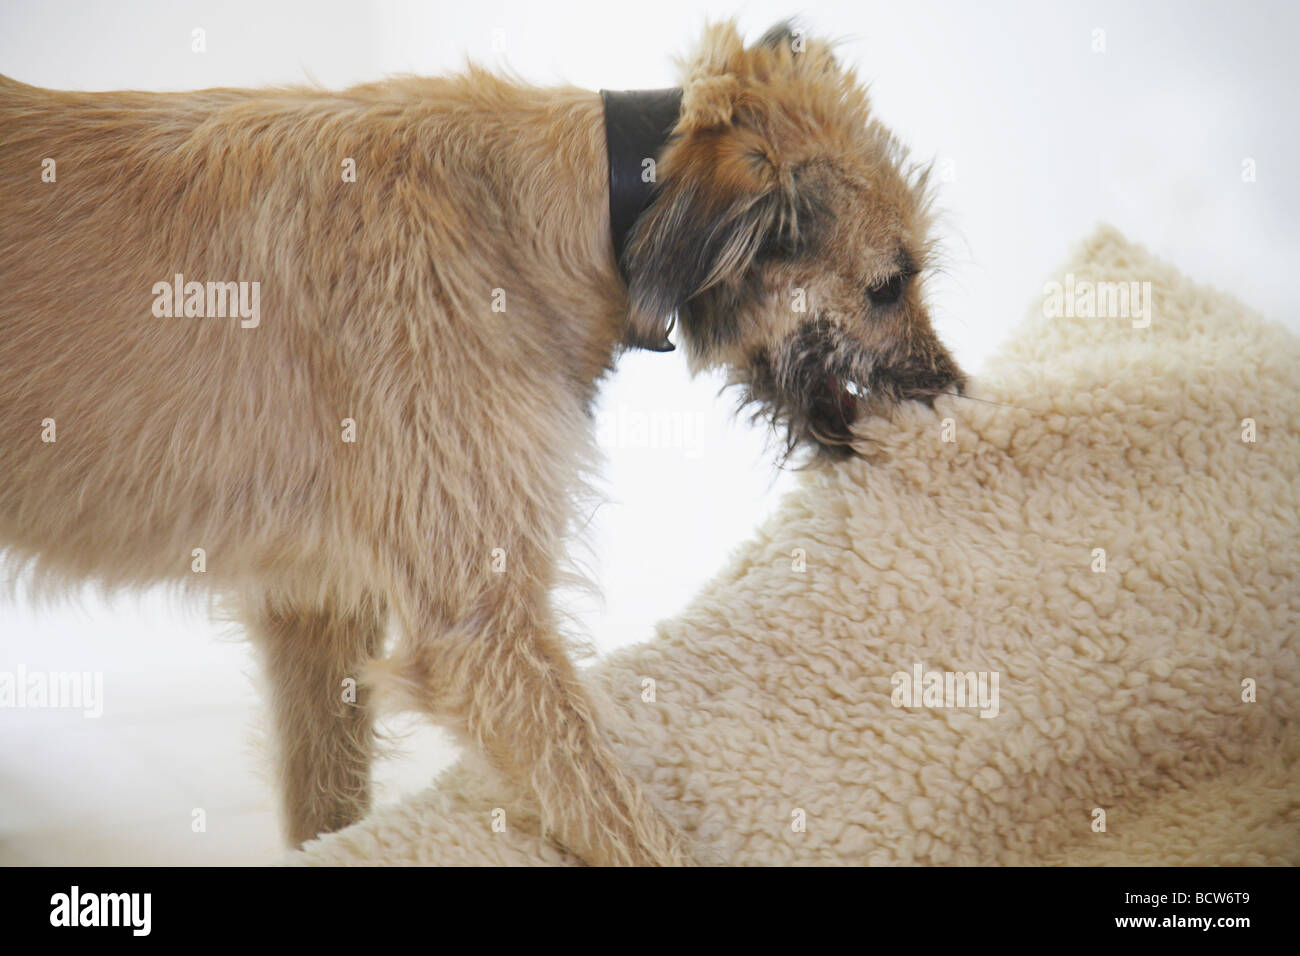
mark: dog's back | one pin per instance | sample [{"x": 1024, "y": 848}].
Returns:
[
  {"x": 129, "y": 438},
  {"x": 126, "y": 437}
]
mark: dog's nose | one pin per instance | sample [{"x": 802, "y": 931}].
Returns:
[
  {"x": 939, "y": 375},
  {"x": 948, "y": 378}
]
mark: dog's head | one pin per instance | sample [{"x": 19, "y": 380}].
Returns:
[{"x": 789, "y": 237}]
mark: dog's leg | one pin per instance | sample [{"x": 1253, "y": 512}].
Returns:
[
  {"x": 313, "y": 657},
  {"x": 501, "y": 678}
]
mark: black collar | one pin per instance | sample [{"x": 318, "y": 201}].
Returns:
[{"x": 637, "y": 125}]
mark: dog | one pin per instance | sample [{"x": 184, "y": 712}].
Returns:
[{"x": 380, "y": 415}]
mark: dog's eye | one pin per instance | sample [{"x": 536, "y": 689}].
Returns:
[{"x": 888, "y": 291}]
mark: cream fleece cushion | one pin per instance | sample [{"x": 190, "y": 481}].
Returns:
[{"x": 1119, "y": 690}]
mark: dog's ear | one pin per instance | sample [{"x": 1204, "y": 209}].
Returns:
[
  {"x": 724, "y": 200},
  {"x": 709, "y": 221},
  {"x": 798, "y": 51},
  {"x": 723, "y": 208}
]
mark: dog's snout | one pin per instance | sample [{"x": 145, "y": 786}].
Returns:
[{"x": 927, "y": 378}]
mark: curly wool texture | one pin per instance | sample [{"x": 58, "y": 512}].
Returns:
[{"x": 1120, "y": 690}]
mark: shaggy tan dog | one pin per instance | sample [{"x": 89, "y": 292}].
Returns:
[{"x": 333, "y": 355}]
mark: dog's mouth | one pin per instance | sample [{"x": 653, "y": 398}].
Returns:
[
  {"x": 813, "y": 390},
  {"x": 820, "y": 383},
  {"x": 832, "y": 411}
]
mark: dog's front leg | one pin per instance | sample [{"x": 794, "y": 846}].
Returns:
[{"x": 501, "y": 678}]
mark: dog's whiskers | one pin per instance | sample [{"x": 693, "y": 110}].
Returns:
[{"x": 984, "y": 401}]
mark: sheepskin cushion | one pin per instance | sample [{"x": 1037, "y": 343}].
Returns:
[{"x": 1108, "y": 529}]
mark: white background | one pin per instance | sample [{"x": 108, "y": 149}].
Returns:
[{"x": 1038, "y": 135}]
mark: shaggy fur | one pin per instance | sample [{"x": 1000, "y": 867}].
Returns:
[
  {"x": 1119, "y": 690},
  {"x": 456, "y": 305}
]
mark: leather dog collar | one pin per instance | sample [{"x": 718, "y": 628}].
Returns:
[{"x": 637, "y": 125}]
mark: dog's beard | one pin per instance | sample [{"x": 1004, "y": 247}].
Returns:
[{"x": 813, "y": 389}]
